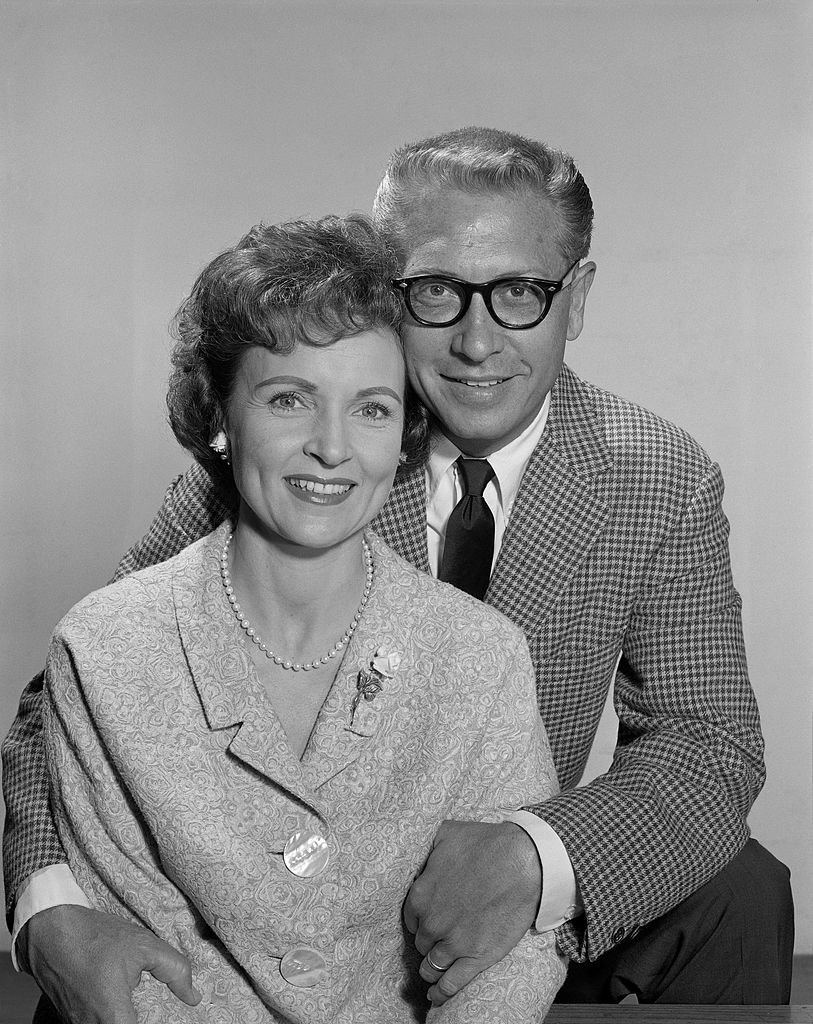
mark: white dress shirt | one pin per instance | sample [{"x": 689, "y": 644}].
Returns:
[{"x": 559, "y": 901}]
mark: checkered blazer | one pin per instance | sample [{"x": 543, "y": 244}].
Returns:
[{"x": 615, "y": 565}]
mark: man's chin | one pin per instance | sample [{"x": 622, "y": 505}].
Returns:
[{"x": 479, "y": 437}]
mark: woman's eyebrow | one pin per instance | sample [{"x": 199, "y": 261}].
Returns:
[
  {"x": 297, "y": 382},
  {"x": 381, "y": 390}
]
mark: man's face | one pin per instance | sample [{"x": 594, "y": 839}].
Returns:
[{"x": 485, "y": 383}]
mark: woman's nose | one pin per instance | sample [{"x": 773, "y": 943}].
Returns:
[{"x": 327, "y": 441}]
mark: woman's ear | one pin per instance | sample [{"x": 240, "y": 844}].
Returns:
[{"x": 220, "y": 445}]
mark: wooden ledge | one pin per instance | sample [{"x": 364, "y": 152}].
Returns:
[{"x": 580, "y": 1013}]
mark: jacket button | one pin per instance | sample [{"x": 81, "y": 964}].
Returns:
[
  {"x": 618, "y": 935},
  {"x": 306, "y": 854},
  {"x": 303, "y": 967}
]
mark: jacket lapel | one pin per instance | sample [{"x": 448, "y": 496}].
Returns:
[
  {"x": 230, "y": 693},
  {"x": 233, "y": 699},
  {"x": 557, "y": 516}
]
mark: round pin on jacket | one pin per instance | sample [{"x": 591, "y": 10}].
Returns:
[
  {"x": 306, "y": 854},
  {"x": 303, "y": 967}
]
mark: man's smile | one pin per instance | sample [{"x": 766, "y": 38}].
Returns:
[{"x": 476, "y": 382}]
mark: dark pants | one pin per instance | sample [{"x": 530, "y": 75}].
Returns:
[{"x": 731, "y": 942}]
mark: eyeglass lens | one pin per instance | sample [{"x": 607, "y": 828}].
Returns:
[{"x": 438, "y": 301}]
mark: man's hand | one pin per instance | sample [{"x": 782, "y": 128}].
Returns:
[
  {"x": 88, "y": 963},
  {"x": 477, "y": 895}
]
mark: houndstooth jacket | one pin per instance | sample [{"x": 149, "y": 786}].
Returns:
[{"x": 615, "y": 565}]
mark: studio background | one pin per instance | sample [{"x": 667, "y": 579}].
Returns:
[{"x": 141, "y": 138}]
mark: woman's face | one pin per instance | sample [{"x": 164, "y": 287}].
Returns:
[{"x": 315, "y": 436}]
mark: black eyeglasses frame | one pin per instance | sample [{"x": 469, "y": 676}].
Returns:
[{"x": 485, "y": 289}]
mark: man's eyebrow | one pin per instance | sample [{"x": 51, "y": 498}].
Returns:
[{"x": 507, "y": 276}]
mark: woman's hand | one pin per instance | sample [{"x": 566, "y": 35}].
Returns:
[
  {"x": 477, "y": 895},
  {"x": 88, "y": 963}
]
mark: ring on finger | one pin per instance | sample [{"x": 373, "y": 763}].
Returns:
[{"x": 433, "y": 965}]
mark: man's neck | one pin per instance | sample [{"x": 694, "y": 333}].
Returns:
[{"x": 479, "y": 448}]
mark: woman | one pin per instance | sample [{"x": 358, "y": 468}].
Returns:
[{"x": 253, "y": 744}]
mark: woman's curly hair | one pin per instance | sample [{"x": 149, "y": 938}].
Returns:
[{"x": 309, "y": 282}]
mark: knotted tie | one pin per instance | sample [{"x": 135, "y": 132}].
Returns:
[{"x": 469, "y": 546}]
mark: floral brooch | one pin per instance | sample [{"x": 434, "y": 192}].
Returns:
[{"x": 383, "y": 666}]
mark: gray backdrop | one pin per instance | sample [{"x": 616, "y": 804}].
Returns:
[{"x": 140, "y": 138}]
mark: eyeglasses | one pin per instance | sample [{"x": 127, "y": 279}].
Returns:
[{"x": 513, "y": 302}]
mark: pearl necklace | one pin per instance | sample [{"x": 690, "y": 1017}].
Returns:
[{"x": 250, "y": 632}]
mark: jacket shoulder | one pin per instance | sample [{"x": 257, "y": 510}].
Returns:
[
  {"x": 449, "y": 609},
  {"x": 642, "y": 448},
  {"x": 143, "y": 595},
  {"x": 628, "y": 426}
]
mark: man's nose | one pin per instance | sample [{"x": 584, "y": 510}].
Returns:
[
  {"x": 477, "y": 335},
  {"x": 328, "y": 441}
]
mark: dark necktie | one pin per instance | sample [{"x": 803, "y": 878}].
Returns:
[{"x": 469, "y": 546}]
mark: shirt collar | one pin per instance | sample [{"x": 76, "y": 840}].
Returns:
[{"x": 508, "y": 462}]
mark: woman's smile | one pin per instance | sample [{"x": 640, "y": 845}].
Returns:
[{"x": 319, "y": 491}]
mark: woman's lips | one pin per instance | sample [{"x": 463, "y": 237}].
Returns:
[{"x": 319, "y": 492}]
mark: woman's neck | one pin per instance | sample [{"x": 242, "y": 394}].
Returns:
[{"x": 298, "y": 599}]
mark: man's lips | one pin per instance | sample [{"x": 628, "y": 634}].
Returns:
[{"x": 477, "y": 382}]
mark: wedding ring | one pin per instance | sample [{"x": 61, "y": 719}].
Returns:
[{"x": 433, "y": 965}]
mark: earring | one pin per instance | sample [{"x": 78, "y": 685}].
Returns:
[
  {"x": 220, "y": 445},
  {"x": 403, "y": 459}
]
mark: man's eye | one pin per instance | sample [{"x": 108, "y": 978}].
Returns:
[
  {"x": 518, "y": 294},
  {"x": 434, "y": 292}
]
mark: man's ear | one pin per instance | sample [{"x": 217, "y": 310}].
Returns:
[{"x": 579, "y": 288}]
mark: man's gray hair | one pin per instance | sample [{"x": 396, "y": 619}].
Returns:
[{"x": 485, "y": 161}]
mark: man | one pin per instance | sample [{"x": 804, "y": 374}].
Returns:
[{"x": 598, "y": 529}]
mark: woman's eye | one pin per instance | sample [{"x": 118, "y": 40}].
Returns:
[
  {"x": 374, "y": 411},
  {"x": 286, "y": 400}
]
